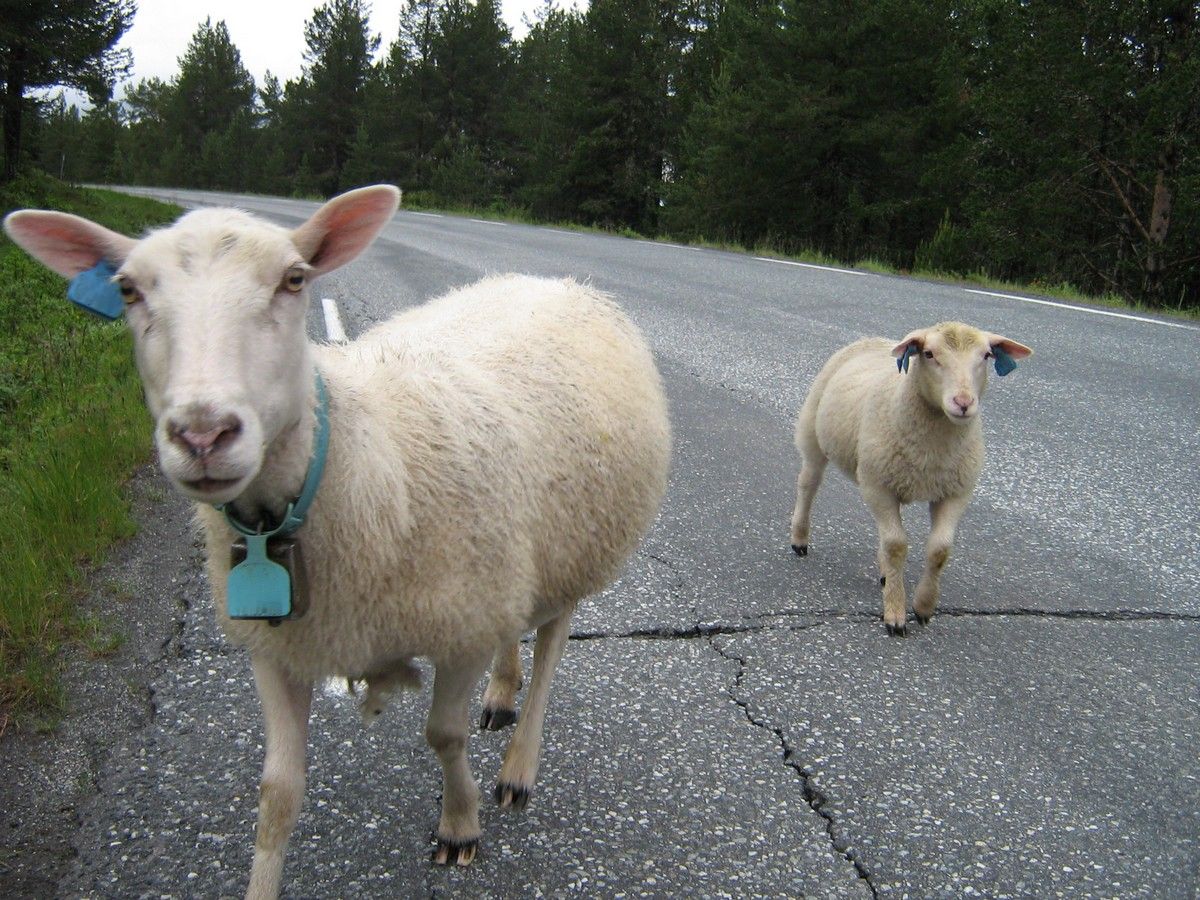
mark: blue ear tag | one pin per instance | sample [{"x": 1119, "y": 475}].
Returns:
[
  {"x": 258, "y": 588},
  {"x": 96, "y": 291},
  {"x": 902, "y": 363},
  {"x": 1004, "y": 362}
]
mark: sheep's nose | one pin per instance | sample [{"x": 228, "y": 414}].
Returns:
[
  {"x": 202, "y": 434},
  {"x": 964, "y": 402}
]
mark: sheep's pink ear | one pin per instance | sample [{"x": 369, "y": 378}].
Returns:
[
  {"x": 65, "y": 243},
  {"x": 345, "y": 226},
  {"x": 913, "y": 339},
  {"x": 912, "y": 344},
  {"x": 1012, "y": 348}
]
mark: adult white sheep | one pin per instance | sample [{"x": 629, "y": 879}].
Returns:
[
  {"x": 492, "y": 457},
  {"x": 902, "y": 437}
]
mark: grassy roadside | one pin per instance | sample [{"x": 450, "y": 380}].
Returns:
[
  {"x": 72, "y": 428},
  {"x": 425, "y": 202}
]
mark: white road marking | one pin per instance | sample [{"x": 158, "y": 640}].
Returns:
[
  {"x": 560, "y": 231},
  {"x": 667, "y": 244},
  {"x": 488, "y": 222},
  {"x": 788, "y": 262},
  {"x": 1085, "y": 309},
  {"x": 413, "y": 212},
  {"x": 333, "y": 320}
]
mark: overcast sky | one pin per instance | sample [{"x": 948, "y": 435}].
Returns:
[{"x": 269, "y": 33}]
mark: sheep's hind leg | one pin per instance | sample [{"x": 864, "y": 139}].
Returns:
[
  {"x": 893, "y": 550},
  {"x": 525, "y": 748},
  {"x": 944, "y": 516},
  {"x": 285, "y": 704},
  {"x": 807, "y": 483},
  {"x": 446, "y": 730},
  {"x": 500, "y": 698}
]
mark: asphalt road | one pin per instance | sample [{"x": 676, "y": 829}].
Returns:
[{"x": 732, "y": 720}]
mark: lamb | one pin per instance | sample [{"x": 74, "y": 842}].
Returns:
[
  {"x": 493, "y": 456},
  {"x": 902, "y": 438}
]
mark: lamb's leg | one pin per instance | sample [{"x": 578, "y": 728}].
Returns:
[
  {"x": 446, "y": 731},
  {"x": 807, "y": 484},
  {"x": 285, "y": 704},
  {"x": 893, "y": 549},
  {"x": 944, "y": 516},
  {"x": 525, "y": 748},
  {"x": 500, "y": 698}
]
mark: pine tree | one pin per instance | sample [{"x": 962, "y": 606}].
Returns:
[{"x": 47, "y": 43}]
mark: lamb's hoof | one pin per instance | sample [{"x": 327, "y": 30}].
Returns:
[
  {"x": 510, "y": 796},
  {"x": 924, "y": 620},
  {"x": 882, "y": 580},
  {"x": 454, "y": 853},
  {"x": 495, "y": 719},
  {"x": 800, "y": 549},
  {"x": 896, "y": 630}
]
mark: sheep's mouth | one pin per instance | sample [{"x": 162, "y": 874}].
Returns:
[{"x": 210, "y": 485}]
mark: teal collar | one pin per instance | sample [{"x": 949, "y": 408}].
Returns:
[{"x": 293, "y": 517}]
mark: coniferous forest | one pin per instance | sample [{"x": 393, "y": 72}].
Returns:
[{"x": 1032, "y": 140}]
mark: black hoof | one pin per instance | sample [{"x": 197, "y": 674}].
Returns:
[
  {"x": 882, "y": 580},
  {"x": 495, "y": 719},
  {"x": 509, "y": 796},
  {"x": 800, "y": 549},
  {"x": 895, "y": 630},
  {"x": 924, "y": 620},
  {"x": 454, "y": 853}
]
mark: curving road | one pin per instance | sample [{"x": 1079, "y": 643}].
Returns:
[{"x": 732, "y": 720}]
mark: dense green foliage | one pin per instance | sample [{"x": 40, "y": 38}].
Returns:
[
  {"x": 45, "y": 43},
  {"x": 1024, "y": 139},
  {"x": 72, "y": 428}
]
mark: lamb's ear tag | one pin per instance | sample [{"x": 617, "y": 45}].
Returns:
[
  {"x": 1004, "y": 362},
  {"x": 95, "y": 291},
  {"x": 257, "y": 587},
  {"x": 902, "y": 362}
]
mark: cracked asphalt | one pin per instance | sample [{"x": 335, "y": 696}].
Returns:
[{"x": 731, "y": 720}]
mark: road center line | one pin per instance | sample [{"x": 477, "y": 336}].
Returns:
[
  {"x": 413, "y": 212},
  {"x": 488, "y": 222},
  {"x": 333, "y": 320},
  {"x": 788, "y": 262},
  {"x": 1085, "y": 309}
]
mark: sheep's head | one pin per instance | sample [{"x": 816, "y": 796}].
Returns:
[
  {"x": 951, "y": 369},
  {"x": 216, "y": 304}
]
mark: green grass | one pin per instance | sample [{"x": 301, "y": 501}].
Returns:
[{"x": 72, "y": 428}]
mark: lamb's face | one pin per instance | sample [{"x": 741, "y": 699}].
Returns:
[
  {"x": 950, "y": 365},
  {"x": 953, "y": 370},
  {"x": 216, "y": 305}
]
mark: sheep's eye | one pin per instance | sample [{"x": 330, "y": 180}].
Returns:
[
  {"x": 987, "y": 355},
  {"x": 929, "y": 354},
  {"x": 294, "y": 280},
  {"x": 129, "y": 293}
]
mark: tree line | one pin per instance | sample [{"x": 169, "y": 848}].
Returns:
[{"x": 1031, "y": 140}]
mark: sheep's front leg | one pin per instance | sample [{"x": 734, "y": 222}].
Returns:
[
  {"x": 525, "y": 749},
  {"x": 944, "y": 516},
  {"x": 806, "y": 490},
  {"x": 893, "y": 550},
  {"x": 285, "y": 703},
  {"x": 446, "y": 731},
  {"x": 500, "y": 698}
]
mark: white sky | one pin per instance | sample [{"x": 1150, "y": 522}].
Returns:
[{"x": 268, "y": 33}]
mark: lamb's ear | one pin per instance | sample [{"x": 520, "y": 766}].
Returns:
[
  {"x": 66, "y": 243},
  {"x": 1012, "y": 348},
  {"x": 912, "y": 344},
  {"x": 345, "y": 226}
]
